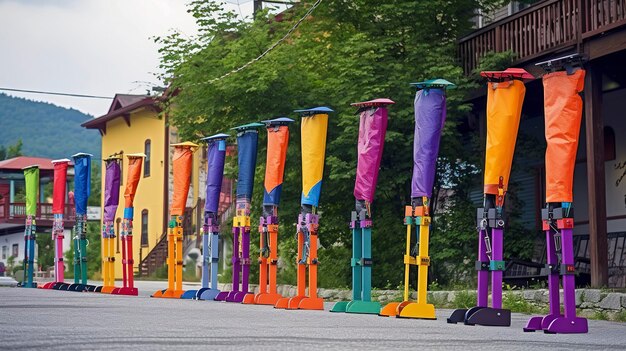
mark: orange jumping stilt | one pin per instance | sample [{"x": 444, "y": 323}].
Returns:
[
  {"x": 277, "y": 142},
  {"x": 183, "y": 153}
]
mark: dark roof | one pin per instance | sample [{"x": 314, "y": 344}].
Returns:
[
  {"x": 20, "y": 162},
  {"x": 123, "y": 100},
  {"x": 121, "y": 106},
  {"x": 9, "y": 228}
]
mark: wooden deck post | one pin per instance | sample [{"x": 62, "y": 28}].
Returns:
[{"x": 596, "y": 177}]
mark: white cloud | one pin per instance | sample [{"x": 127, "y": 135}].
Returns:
[{"x": 88, "y": 47}]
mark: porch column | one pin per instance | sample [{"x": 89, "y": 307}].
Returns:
[
  {"x": 11, "y": 197},
  {"x": 596, "y": 177},
  {"x": 41, "y": 192}
]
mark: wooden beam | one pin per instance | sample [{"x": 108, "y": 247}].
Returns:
[
  {"x": 127, "y": 118},
  {"x": 606, "y": 44},
  {"x": 596, "y": 177}
]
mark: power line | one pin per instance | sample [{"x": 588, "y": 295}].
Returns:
[
  {"x": 56, "y": 93},
  {"x": 295, "y": 26}
]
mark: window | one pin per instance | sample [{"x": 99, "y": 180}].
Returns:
[
  {"x": 16, "y": 250},
  {"x": 146, "y": 164},
  {"x": 144, "y": 228},
  {"x": 5, "y": 250}
]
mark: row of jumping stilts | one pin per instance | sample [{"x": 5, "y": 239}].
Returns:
[
  {"x": 82, "y": 189},
  {"x": 563, "y": 82}
]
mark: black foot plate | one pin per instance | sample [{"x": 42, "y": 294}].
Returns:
[
  {"x": 487, "y": 316},
  {"x": 457, "y": 316}
]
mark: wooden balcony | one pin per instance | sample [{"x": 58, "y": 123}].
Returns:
[
  {"x": 548, "y": 27},
  {"x": 16, "y": 213}
]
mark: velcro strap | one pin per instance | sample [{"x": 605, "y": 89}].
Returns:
[
  {"x": 422, "y": 220},
  {"x": 482, "y": 266},
  {"x": 408, "y": 220},
  {"x": 568, "y": 269},
  {"x": 366, "y": 223},
  {"x": 497, "y": 265}
]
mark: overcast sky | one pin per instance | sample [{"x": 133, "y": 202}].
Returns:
[{"x": 95, "y": 47}]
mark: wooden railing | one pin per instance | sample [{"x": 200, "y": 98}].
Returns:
[
  {"x": 543, "y": 28},
  {"x": 17, "y": 211}
]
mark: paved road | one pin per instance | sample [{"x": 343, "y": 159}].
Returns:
[{"x": 59, "y": 320}]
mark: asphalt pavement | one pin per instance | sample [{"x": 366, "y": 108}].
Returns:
[{"x": 60, "y": 320}]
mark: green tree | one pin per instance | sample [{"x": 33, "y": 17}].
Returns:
[
  {"x": 94, "y": 258},
  {"x": 45, "y": 250},
  {"x": 11, "y": 150},
  {"x": 346, "y": 51},
  {"x": 95, "y": 197}
]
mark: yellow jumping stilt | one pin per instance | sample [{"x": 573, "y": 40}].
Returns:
[
  {"x": 430, "y": 115},
  {"x": 420, "y": 217}
]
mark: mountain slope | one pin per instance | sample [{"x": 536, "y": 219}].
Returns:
[{"x": 46, "y": 130}]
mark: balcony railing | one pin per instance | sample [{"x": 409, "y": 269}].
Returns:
[
  {"x": 543, "y": 28},
  {"x": 15, "y": 212}
]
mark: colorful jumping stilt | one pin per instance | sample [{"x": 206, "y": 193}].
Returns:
[
  {"x": 247, "y": 142},
  {"x": 216, "y": 155},
  {"x": 313, "y": 134},
  {"x": 563, "y": 113},
  {"x": 182, "y": 162},
  {"x": 82, "y": 190},
  {"x": 111, "y": 201},
  {"x": 132, "y": 181},
  {"x": 277, "y": 142},
  {"x": 505, "y": 96},
  {"x": 31, "y": 177},
  {"x": 59, "y": 192},
  {"x": 430, "y": 117},
  {"x": 372, "y": 130}
]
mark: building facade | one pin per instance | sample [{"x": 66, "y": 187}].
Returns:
[
  {"x": 133, "y": 124},
  {"x": 13, "y": 207},
  {"x": 550, "y": 29}
]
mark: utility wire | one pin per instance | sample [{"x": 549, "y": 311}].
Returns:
[
  {"x": 264, "y": 53},
  {"x": 56, "y": 93}
]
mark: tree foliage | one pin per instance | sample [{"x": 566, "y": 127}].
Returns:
[
  {"x": 346, "y": 51},
  {"x": 11, "y": 151}
]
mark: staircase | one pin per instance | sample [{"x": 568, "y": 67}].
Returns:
[{"x": 155, "y": 259}]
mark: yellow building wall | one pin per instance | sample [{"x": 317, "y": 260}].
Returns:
[{"x": 144, "y": 124}]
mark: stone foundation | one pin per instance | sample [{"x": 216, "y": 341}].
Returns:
[{"x": 591, "y": 303}]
